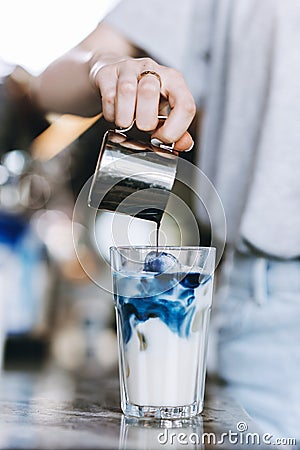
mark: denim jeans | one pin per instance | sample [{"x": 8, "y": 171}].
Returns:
[{"x": 258, "y": 316}]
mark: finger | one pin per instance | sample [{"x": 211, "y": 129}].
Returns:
[
  {"x": 185, "y": 143},
  {"x": 182, "y": 108},
  {"x": 125, "y": 96},
  {"x": 164, "y": 107},
  {"x": 106, "y": 79},
  {"x": 147, "y": 106}
]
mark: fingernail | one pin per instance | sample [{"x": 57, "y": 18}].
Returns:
[
  {"x": 190, "y": 148},
  {"x": 158, "y": 143}
]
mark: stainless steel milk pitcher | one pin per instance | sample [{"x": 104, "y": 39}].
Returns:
[{"x": 133, "y": 176}]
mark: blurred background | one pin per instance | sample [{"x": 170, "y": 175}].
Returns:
[
  {"x": 34, "y": 33},
  {"x": 49, "y": 303}
]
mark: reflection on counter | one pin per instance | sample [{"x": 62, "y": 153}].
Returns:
[{"x": 158, "y": 434}]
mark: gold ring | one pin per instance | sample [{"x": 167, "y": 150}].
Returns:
[{"x": 149, "y": 72}]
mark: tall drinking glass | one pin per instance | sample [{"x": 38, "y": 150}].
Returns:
[{"x": 163, "y": 299}]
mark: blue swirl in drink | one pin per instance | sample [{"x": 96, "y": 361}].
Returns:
[{"x": 160, "y": 291}]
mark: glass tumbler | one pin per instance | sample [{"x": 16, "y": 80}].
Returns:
[{"x": 163, "y": 298}]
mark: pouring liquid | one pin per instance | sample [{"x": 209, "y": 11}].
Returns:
[{"x": 157, "y": 234}]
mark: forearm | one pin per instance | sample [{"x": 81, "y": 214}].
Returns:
[{"x": 65, "y": 86}]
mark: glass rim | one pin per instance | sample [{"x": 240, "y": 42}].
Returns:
[
  {"x": 203, "y": 258},
  {"x": 160, "y": 247}
]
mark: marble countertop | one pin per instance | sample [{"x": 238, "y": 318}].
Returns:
[{"x": 52, "y": 409}]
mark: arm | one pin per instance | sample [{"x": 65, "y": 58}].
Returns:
[
  {"x": 65, "y": 85},
  {"x": 104, "y": 68}
]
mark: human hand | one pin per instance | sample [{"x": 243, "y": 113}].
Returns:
[{"x": 132, "y": 89}]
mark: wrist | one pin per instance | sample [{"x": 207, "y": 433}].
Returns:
[
  {"x": 94, "y": 70},
  {"x": 97, "y": 62}
]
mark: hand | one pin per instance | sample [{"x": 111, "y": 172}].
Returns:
[{"x": 127, "y": 96}]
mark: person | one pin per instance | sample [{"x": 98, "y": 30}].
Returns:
[{"x": 239, "y": 61}]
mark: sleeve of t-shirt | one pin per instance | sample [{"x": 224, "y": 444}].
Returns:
[{"x": 160, "y": 28}]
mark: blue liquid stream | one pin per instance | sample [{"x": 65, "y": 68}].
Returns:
[{"x": 169, "y": 297}]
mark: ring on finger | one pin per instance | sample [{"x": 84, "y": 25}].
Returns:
[{"x": 152, "y": 73}]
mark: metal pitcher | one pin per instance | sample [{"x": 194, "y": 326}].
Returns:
[{"x": 132, "y": 175}]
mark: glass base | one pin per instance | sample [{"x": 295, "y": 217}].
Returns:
[{"x": 162, "y": 412}]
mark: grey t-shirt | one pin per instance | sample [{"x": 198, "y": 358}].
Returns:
[{"x": 241, "y": 59}]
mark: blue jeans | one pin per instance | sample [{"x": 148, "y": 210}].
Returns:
[{"x": 258, "y": 311}]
